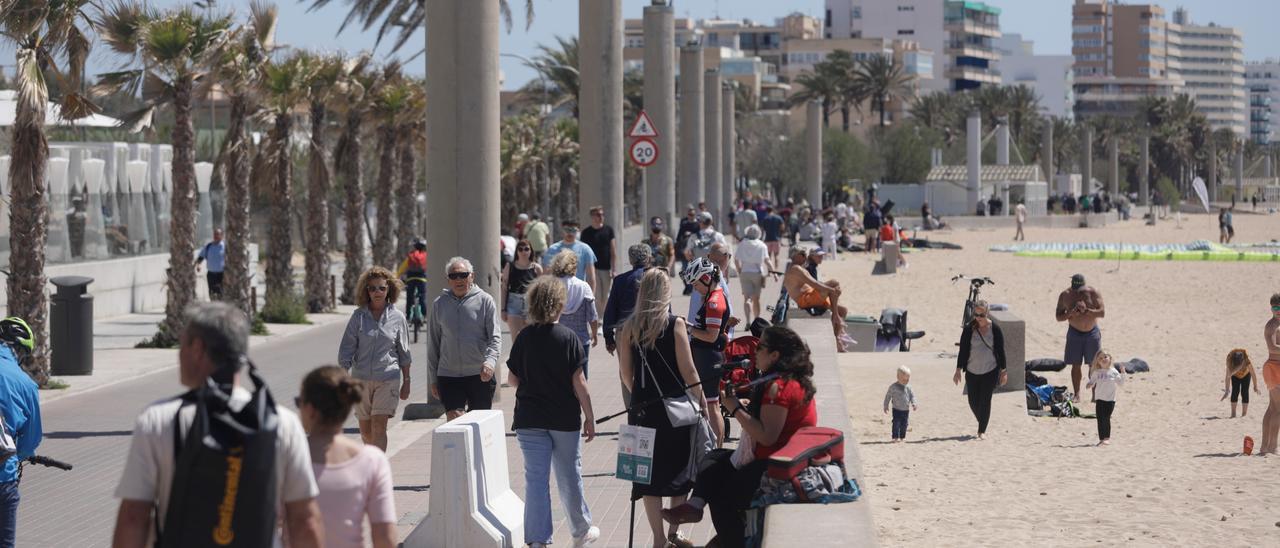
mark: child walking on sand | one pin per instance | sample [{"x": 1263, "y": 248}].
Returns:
[
  {"x": 903, "y": 401},
  {"x": 1240, "y": 374},
  {"x": 1104, "y": 380}
]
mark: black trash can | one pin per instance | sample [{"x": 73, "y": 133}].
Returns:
[{"x": 71, "y": 326}]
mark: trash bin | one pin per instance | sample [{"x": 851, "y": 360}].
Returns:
[
  {"x": 864, "y": 330},
  {"x": 71, "y": 326}
]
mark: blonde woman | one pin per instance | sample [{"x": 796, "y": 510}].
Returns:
[
  {"x": 375, "y": 351},
  {"x": 654, "y": 361},
  {"x": 552, "y": 400},
  {"x": 579, "y": 313}
]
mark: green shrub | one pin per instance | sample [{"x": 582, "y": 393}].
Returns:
[
  {"x": 1169, "y": 191},
  {"x": 259, "y": 327},
  {"x": 289, "y": 308}
]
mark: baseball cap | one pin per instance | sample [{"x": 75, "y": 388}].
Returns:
[
  {"x": 656, "y": 222},
  {"x": 705, "y": 216},
  {"x": 1077, "y": 280},
  {"x": 817, "y": 251}
]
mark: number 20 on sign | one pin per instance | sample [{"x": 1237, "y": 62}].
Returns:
[{"x": 644, "y": 152}]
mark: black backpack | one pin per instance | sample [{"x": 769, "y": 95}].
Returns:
[{"x": 224, "y": 488}]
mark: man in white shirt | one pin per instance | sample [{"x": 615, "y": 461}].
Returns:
[
  {"x": 753, "y": 262},
  {"x": 216, "y": 337}
]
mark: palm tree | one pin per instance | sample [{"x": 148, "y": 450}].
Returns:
[
  {"x": 284, "y": 86},
  {"x": 49, "y": 44},
  {"x": 558, "y": 67},
  {"x": 405, "y": 17},
  {"x": 818, "y": 85},
  {"x": 175, "y": 49},
  {"x": 325, "y": 84},
  {"x": 409, "y": 135},
  {"x": 882, "y": 79},
  {"x": 389, "y": 104},
  {"x": 237, "y": 73},
  {"x": 839, "y": 66},
  {"x": 347, "y": 156}
]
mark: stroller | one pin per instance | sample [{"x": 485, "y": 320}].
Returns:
[
  {"x": 739, "y": 367},
  {"x": 892, "y": 334}
]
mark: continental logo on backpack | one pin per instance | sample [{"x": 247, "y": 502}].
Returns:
[{"x": 224, "y": 533}]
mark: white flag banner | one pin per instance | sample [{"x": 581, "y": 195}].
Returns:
[{"x": 1202, "y": 192}]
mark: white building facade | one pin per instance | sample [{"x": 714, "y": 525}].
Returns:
[
  {"x": 1263, "y": 80},
  {"x": 1048, "y": 75}
]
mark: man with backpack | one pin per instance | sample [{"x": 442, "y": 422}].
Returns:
[
  {"x": 20, "y": 411},
  {"x": 221, "y": 459},
  {"x": 216, "y": 253}
]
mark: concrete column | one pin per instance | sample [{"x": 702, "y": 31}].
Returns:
[
  {"x": 714, "y": 175},
  {"x": 600, "y": 109},
  {"x": 729, "y": 141},
  {"x": 462, "y": 159},
  {"x": 1239, "y": 195},
  {"x": 692, "y": 169},
  {"x": 1002, "y": 143},
  {"x": 1266, "y": 165},
  {"x": 1113, "y": 151},
  {"x": 813, "y": 155},
  {"x": 1046, "y": 153},
  {"x": 1144, "y": 172},
  {"x": 660, "y": 104},
  {"x": 1212, "y": 182},
  {"x": 973, "y": 159},
  {"x": 1086, "y": 175}
]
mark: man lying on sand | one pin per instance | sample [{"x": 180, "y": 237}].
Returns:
[
  {"x": 1081, "y": 307},
  {"x": 808, "y": 292},
  {"x": 1271, "y": 376}
]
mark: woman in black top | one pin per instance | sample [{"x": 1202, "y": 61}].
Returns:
[
  {"x": 516, "y": 277},
  {"x": 546, "y": 368},
  {"x": 655, "y": 362},
  {"x": 982, "y": 361}
]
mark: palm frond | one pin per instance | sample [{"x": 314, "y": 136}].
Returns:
[
  {"x": 127, "y": 82},
  {"x": 120, "y": 26}
]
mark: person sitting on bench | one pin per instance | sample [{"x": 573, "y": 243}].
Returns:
[{"x": 809, "y": 293}]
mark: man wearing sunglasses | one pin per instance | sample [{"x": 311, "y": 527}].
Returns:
[{"x": 463, "y": 342}]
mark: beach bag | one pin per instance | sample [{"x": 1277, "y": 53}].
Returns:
[
  {"x": 809, "y": 468},
  {"x": 1036, "y": 380},
  {"x": 1045, "y": 364},
  {"x": 1136, "y": 365}
]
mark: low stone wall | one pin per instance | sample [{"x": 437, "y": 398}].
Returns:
[
  {"x": 823, "y": 525},
  {"x": 1093, "y": 220}
]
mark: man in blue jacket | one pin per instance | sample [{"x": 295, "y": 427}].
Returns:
[
  {"x": 622, "y": 300},
  {"x": 20, "y": 407}
]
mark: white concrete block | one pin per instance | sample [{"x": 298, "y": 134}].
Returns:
[
  {"x": 55, "y": 174},
  {"x": 93, "y": 172},
  {"x": 472, "y": 503},
  {"x": 4, "y": 175},
  {"x": 136, "y": 175},
  {"x": 204, "y": 175}
]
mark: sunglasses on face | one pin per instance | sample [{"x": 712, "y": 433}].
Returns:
[
  {"x": 979, "y": 316},
  {"x": 377, "y": 289},
  {"x": 459, "y": 275},
  {"x": 524, "y": 249}
]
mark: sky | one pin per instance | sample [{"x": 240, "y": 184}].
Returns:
[{"x": 1047, "y": 22}]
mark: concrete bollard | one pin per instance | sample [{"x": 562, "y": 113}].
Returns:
[
  {"x": 1014, "y": 330},
  {"x": 471, "y": 499},
  {"x": 888, "y": 264}
]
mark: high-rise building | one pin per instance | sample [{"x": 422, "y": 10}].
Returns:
[
  {"x": 1124, "y": 52},
  {"x": 1263, "y": 81},
  {"x": 959, "y": 32},
  {"x": 1048, "y": 75}
]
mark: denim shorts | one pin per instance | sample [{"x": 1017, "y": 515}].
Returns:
[{"x": 515, "y": 304}]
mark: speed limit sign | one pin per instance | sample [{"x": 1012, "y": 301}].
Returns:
[{"x": 644, "y": 152}]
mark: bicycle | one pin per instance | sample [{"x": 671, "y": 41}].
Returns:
[
  {"x": 416, "y": 313},
  {"x": 975, "y": 288}
]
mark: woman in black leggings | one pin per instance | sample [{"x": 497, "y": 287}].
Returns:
[{"x": 981, "y": 360}]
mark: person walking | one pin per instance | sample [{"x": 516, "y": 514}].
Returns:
[
  {"x": 213, "y": 347},
  {"x": 516, "y": 277},
  {"x": 661, "y": 248},
  {"x": 903, "y": 401},
  {"x": 982, "y": 361},
  {"x": 871, "y": 221},
  {"x": 1020, "y": 217},
  {"x": 354, "y": 479},
  {"x": 708, "y": 328},
  {"x": 539, "y": 236},
  {"x": 603, "y": 243},
  {"x": 1105, "y": 380},
  {"x": 579, "y": 314},
  {"x": 753, "y": 262},
  {"x": 547, "y": 367},
  {"x": 773, "y": 226},
  {"x": 375, "y": 351},
  {"x": 655, "y": 363},
  {"x": 215, "y": 252},
  {"x": 463, "y": 343},
  {"x": 622, "y": 301},
  {"x": 570, "y": 242},
  {"x": 1081, "y": 307},
  {"x": 20, "y": 408},
  {"x": 689, "y": 227}
]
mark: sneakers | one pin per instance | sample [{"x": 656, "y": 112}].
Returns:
[
  {"x": 685, "y": 513},
  {"x": 588, "y": 537}
]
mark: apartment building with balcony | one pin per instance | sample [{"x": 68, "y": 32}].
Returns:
[
  {"x": 1210, "y": 61},
  {"x": 1262, "y": 78},
  {"x": 959, "y": 33}
]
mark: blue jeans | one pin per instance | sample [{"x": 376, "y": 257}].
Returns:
[
  {"x": 900, "y": 424},
  {"x": 586, "y": 351},
  {"x": 8, "y": 513},
  {"x": 544, "y": 450}
]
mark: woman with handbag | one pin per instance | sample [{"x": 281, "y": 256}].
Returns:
[
  {"x": 656, "y": 367},
  {"x": 769, "y": 416},
  {"x": 981, "y": 361}
]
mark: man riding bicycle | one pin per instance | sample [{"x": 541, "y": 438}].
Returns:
[
  {"x": 20, "y": 409},
  {"x": 414, "y": 273}
]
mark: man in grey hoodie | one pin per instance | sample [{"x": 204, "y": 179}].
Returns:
[{"x": 463, "y": 342}]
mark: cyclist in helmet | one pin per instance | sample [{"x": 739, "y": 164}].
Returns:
[
  {"x": 413, "y": 270},
  {"x": 20, "y": 409},
  {"x": 708, "y": 328}
]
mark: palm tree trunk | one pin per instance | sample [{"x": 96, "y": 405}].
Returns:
[
  {"x": 236, "y": 168},
  {"x": 382, "y": 244},
  {"x": 844, "y": 115},
  {"x": 407, "y": 191},
  {"x": 29, "y": 221},
  {"x": 881, "y": 104},
  {"x": 182, "y": 223},
  {"x": 317, "y": 229},
  {"x": 280, "y": 250},
  {"x": 347, "y": 158}
]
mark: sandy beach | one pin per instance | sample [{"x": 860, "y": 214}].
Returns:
[{"x": 1173, "y": 476}]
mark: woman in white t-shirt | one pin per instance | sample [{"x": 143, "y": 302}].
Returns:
[
  {"x": 354, "y": 479},
  {"x": 752, "y": 260}
]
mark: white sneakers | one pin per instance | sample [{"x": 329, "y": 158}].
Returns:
[{"x": 588, "y": 537}]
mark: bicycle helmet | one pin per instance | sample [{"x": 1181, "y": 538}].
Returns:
[
  {"x": 15, "y": 332},
  {"x": 700, "y": 268},
  {"x": 419, "y": 244}
]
